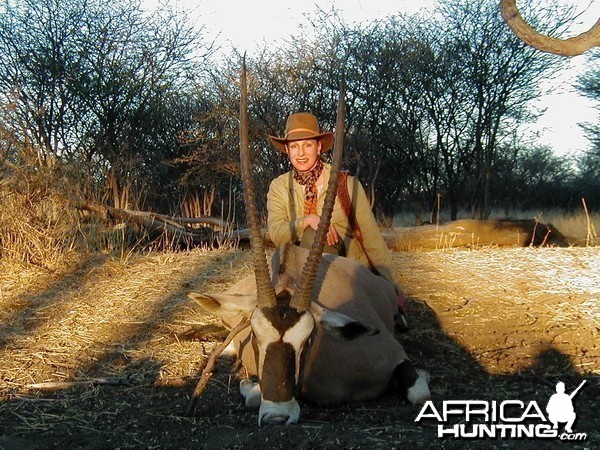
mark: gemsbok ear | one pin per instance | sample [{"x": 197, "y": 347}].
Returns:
[
  {"x": 341, "y": 325},
  {"x": 224, "y": 304}
]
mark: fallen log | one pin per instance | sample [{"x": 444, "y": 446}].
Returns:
[
  {"x": 474, "y": 234},
  {"x": 178, "y": 230},
  {"x": 459, "y": 233},
  {"x": 175, "y": 229}
]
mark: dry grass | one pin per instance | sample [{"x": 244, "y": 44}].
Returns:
[
  {"x": 40, "y": 226},
  {"x": 539, "y": 298},
  {"x": 578, "y": 226},
  {"x": 104, "y": 320},
  {"x": 37, "y": 230},
  {"x": 574, "y": 225},
  {"x": 104, "y": 317}
]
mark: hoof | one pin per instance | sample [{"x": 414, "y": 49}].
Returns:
[
  {"x": 250, "y": 390},
  {"x": 419, "y": 393}
]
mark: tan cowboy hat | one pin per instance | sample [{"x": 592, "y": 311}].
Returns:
[{"x": 302, "y": 126}]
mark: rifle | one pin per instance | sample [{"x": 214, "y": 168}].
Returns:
[{"x": 574, "y": 393}]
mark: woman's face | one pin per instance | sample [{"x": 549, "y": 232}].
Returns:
[{"x": 303, "y": 154}]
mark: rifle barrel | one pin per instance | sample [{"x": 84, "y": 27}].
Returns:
[{"x": 577, "y": 390}]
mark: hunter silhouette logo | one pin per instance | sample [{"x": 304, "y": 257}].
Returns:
[
  {"x": 505, "y": 419},
  {"x": 560, "y": 407}
]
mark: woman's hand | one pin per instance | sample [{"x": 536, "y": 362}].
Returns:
[{"x": 313, "y": 222}]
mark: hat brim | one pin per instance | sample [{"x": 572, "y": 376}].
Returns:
[{"x": 326, "y": 140}]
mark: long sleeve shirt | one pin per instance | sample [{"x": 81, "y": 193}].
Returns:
[{"x": 285, "y": 206}]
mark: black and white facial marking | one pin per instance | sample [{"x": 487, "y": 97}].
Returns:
[{"x": 281, "y": 333}]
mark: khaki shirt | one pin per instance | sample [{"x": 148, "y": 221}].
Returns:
[{"x": 285, "y": 206}]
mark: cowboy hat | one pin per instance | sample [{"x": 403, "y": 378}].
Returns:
[{"x": 302, "y": 126}]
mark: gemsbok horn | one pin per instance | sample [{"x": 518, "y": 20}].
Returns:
[{"x": 321, "y": 326}]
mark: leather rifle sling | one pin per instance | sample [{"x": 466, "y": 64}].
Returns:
[{"x": 346, "y": 202}]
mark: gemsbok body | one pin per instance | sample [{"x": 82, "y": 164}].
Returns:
[
  {"x": 342, "y": 349},
  {"x": 321, "y": 326}
]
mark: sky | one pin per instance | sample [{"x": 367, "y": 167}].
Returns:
[{"x": 249, "y": 25}]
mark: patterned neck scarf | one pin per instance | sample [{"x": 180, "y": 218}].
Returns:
[{"x": 309, "y": 180}]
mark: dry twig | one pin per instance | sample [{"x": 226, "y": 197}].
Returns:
[
  {"x": 210, "y": 365},
  {"x": 69, "y": 384}
]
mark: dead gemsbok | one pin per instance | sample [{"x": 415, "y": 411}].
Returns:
[
  {"x": 321, "y": 326},
  {"x": 565, "y": 47}
]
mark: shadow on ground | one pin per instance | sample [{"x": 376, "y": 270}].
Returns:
[{"x": 145, "y": 414}]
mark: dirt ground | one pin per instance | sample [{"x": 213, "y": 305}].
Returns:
[{"x": 490, "y": 324}]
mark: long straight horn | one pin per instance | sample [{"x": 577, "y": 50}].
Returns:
[
  {"x": 264, "y": 288},
  {"x": 302, "y": 296}
]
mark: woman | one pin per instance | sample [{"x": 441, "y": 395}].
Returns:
[{"x": 295, "y": 201}]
